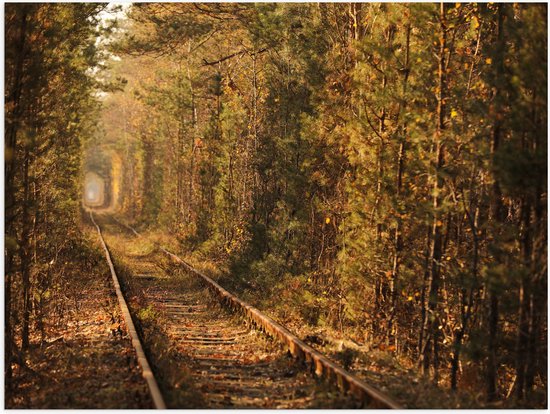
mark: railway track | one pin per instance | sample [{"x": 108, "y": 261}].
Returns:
[{"x": 237, "y": 356}]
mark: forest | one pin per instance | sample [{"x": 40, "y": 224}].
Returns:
[{"x": 375, "y": 173}]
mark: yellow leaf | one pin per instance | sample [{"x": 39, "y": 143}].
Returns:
[
  {"x": 410, "y": 298},
  {"x": 454, "y": 114},
  {"x": 476, "y": 22},
  {"x": 327, "y": 220},
  {"x": 488, "y": 61}
]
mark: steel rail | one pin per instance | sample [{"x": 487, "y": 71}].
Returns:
[
  {"x": 146, "y": 370},
  {"x": 320, "y": 364}
]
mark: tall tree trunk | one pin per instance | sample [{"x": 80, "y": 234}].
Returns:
[
  {"x": 432, "y": 320},
  {"x": 11, "y": 130},
  {"x": 14, "y": 118},
  {"x": 398, "y": 238},
  {"x": 496, "y": 214}
]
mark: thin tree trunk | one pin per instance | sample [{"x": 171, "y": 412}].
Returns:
[
  {"x": 423, "y": 359},
  {"x": 398, "y": 241},
  {"x": 537, "y": 272},
  {"x": 194, "y": 136},
  {"x": 11, "y": 129},
  {"x": 496, "y": 214},
  {"x": 180, "y": 202},
  {"x": 524, "y": 302},
  {"x": 24, "y": 253},
  {"x": 432, "y": 320},
  {"x": 467, "y": 299}
]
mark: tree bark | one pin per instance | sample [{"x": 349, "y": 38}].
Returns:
[
  {"x": 11, "y": 130},
  {"x": 398, "y": 240},
  {"x": 24, "y": 253},
  {"x": 496, "y": 214},
  {"x": 432, "y": 320}
]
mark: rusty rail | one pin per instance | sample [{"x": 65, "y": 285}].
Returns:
[
  {"x": 320, "y": 364},
  {"x": 146, "y": 371}
]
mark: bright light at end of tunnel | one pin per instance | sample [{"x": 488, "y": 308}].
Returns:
[
  {"x": 91, "y": 195},
  {"x": 93, "y": 190}
]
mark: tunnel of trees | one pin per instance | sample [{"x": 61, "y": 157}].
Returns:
[{"x": 376, "y": 170}]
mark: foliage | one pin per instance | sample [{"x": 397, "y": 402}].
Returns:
[
  {"x": 50, "y": 58},
  {"x": 342, "y": 158},
  {"x": 379, "y": 168}
]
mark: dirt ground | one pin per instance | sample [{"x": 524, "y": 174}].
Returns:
[{"x": 85, "y": 359}]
